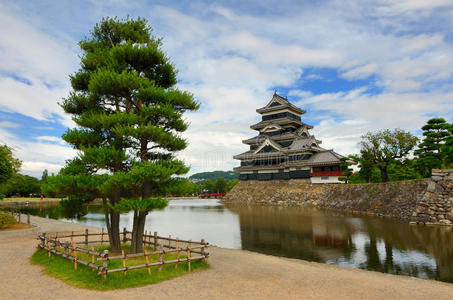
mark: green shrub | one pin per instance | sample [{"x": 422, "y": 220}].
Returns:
[
  {"x": 2, "y": 196},
  {"x": 6, "y": 220}
]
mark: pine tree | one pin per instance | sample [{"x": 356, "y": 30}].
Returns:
[
  {"x": 130, "y": 118},
  {"x": 429, "y": 153},
  {"x": 447, "y": 148},
  {"x": 345, "y": 163}
]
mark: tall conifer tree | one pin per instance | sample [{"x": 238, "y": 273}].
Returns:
[
  {"x": 430, "y": 153},
  {"x": 129, "y": 116}
]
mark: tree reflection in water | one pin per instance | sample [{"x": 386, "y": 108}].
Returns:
[
  {"x": 371, "y": 243},
  {"x": 65, "y": 209}
]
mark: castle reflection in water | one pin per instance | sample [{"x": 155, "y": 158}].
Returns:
[{"x": 370, "y": 243}]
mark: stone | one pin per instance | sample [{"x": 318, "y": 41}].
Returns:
[
  {"x": 446, "y": 222},
  {"x": 431, "y": 187},
  {"x": 436, "y": 178},
  {"x": 437, "y": 174},
  {"x": 450, "y": 216},
  {"x": 432, "y": 219}
]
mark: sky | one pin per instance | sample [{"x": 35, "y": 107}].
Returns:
[{"x": 354, "y": 66}]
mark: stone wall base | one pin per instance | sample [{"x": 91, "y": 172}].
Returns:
[{"x": 420, "y": 201}]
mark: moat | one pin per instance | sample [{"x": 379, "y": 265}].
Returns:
[{"x": 364, "y": 242}]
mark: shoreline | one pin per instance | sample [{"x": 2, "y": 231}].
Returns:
[
  {"x": 8, "y": 202},
  {"x": 233, "y": 273}
]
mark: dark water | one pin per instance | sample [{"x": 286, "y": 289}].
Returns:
[{"x": 363, "y": 242}]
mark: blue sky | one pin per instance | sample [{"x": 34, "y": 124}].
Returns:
[{"x": 355, "y": 66}]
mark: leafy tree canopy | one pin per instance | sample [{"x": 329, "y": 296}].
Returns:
[
  {"x": 384, "y": 147},
  {"x": 9, "y": 165}
]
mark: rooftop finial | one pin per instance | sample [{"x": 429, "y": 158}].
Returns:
[{"x": 275, "y": 92}]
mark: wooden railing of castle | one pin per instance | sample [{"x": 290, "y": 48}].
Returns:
[{"x": 59, "y": 244}]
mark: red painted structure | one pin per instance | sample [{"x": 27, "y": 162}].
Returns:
[{"x": 212, "y": 195}]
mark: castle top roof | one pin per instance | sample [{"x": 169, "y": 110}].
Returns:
[{"x": 278, "y": 103}]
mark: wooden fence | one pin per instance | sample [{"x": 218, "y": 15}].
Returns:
[
  {"x": 59, "y": 244},
  {"x": 21, "y": 218}
]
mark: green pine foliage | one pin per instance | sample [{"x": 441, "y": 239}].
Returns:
[
  {"x": 129, "y": 117},
  {"x": 431, "y": 154},
  {"x": 447, "y": 148}
]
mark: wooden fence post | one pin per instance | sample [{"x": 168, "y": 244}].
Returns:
[
  {"x": 43, "y": 239},
  {"x": 160, "y": 259},
  {"x": 66, "y": 250},
  {"x": 72, "y": 236},
  {"x": 147, "y": 262},
  {"x": 48, "y": 248},
  {"x": 74, "y": 251},
  {"x": 124, "y": 261},
  {"x": 155, "y": 240},
  {"x": 124, "y": 235},
  {"x": 28, "y": 218},
  {"x": 105, "y": 263},
  {"x": 178, "y": 252},
  {"x": 169, "y": 240},
  {"x": 86, "y": 236},
  {"x": 102, "y": 236},
  {"x": 188, "y": 258},
  {"x": 92, "y": 257},
  {"x": 202, "y": 249}
]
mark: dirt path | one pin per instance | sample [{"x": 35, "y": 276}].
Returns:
[{"x": 235, "y": 274}]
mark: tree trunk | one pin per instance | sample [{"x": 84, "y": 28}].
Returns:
[
  {"x": 112, "y": 222},
  {"x": 134, "y": 233},
  {"x": 140, "y": 217},
  {"x": 139, "y": 222},
  {"x": 384, "y": 174}
]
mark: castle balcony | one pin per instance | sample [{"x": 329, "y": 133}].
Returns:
[{"x": 327, "y": 173}]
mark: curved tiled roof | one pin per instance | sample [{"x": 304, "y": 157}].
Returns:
[{"x": 280, "y": 121}]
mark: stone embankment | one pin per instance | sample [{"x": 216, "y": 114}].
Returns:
[
  {"x": 420, "y": 201},
  {"x": 436, "y": 205}
]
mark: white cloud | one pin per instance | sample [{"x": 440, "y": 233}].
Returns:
[
  {"x": 232, "y": 59},
  {"x": 49, "y": 138},
  {"x": 8, "y": 124},
  {"x": 40, "y": 59}
]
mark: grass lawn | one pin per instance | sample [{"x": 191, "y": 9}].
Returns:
[
  {"x": 84, "y": 277},
  {"x": 24, "y": 199}
]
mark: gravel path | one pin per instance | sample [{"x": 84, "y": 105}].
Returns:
[{"x": 235, "y": 274}]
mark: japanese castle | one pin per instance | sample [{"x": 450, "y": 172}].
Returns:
[{"x": 285, "y": 149}]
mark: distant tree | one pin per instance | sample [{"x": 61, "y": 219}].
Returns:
[
  {"x": 44, "y": 176},
  {"x": 221, "y": 185},
  {"x": 214, "y": 175},
  {"x": 209, "y": 186},
  {"x": 430, "y": 154},
  {"x": 404, "y": 170},
  {"x": 231, "y": 184},
  {"x": 384, "y": 147},
  {"x": 9, "y": 165},
  {"x": 21, "y": 185},
  {"x": 345, "y": 164}
]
